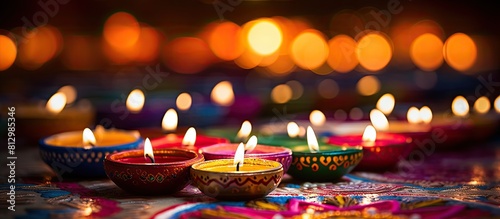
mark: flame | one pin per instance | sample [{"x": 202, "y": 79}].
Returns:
[
  {"x": 239, "y": 156},
  {"x": 148, "y": 149},
  {"x": 293, "y": 129},
  {"x": 378, "y": 119},
  {"x": 413, "y": 115},
  {"x": 190, "y": 137},
  {"x": 135, "y": 101},
  {"x": 460, "y": 106},
  {"x": 482, "y": 105},
  {"x": 245, "y": 130},
  {"x": 223, "y": 93},
  {"x": 312, "y": 141},
  {"x": 70, "y": 93},
  {"x": 251, "y": 144},
  {"x": 386, "y": 103},
  {"x": 184, "y": 101},
  {"x": 88, "y": 137},
  {"x": 317, "y": 118},
  {"x": 370, "y": 134},
  {"x": 497, "y": 104},
  {"x": 170, "y": 120},
  {"x": 426, "y": 114},
  {"x": 56, "y": 103}
]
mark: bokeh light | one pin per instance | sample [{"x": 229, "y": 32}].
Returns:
[
  {"x": 342, "y": 57},
  {"x": 426, "y": 52},
  {"x": 386, "y": 103},
  {"x": 224, "y": 41},
  {"x": 460, "y": 52},
  {"x": 183, "y": 101},
  {"x": 482, "y": 105},
  {"x": 309, "y": 49},
  {"x": 187, "y": 55},
  {"x": 460, "y": 106},
  {"x": 497, "y": 104},
  {"x": 297, "y": 89},
  {"x": 223, "y": 94},
  {"x": 282, "y": 93},
  {"x": 40, "y": 45},
  {"x": 121, "y": 30},
  {"x": 70, "y": 93},
  {"x": 368, "y": 85},
  {"x": 264, "y": 37},
  {"x": 356, "y": 113},
  {"x": 282, "y": 66},
  {"x": 373, "y": 51},
  {"x": 340, "y": 115},
  {"x": 328, "y": 88},
  {"x": 8, "y": 52}
]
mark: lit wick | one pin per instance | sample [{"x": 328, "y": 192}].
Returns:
[
  {"x": 239, "y": 156},
  {"x": 151, "y": 158},
  {"x": 238, "y": 166}
]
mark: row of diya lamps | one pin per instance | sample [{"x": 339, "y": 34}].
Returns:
[{"x": 223, "y": 167}]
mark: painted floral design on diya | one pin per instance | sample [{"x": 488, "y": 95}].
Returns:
[
  {"x": 76, "y": 154},
  {"x": 219, "y": 178},
  {"x": 226, "y": 151},
  {"x": 320, "y": 163},
  {"x": 134, "y": 173}
]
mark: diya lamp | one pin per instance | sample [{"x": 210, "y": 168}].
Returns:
[
  {"x": 252, "y": 150},
  {"x": 380, "y": 150},
  {"x": 325, "y": 162},
  {"x": 151, "y": 171},
  {"x": 237, "y": 179},
  {"x": 454, "y": 129},
  {"x": 77, "y": 154},
  {"x": 59, "y": 114},
  {"x": 485, "y": 121}
]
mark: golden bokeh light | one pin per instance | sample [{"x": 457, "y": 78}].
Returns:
[
  {"x": 282, "y": 93},
  {"x": 309, "y": 49},
  {"x": 70, "y": 93},
  {"x": 121, "y": 30},
  {"x": 265, "y": 37},
  {"x": 460, "y": 106},
  {"x": 369, "y": 135},
  {"x": 460, "y": 51},
  {"x": 292, "y": 129},
  {"x": 317, "y": 118},
  {"x": 413, "y": 115},
  {"x": 356, "y": 113},
  {"x": 41, "y": 45},
  {"x": 135, "y": 101},
  {"x": 187, "y": 55},
  {"x": 147, "y": 47},
  {"x": 183, "y": 101},
  {"x": 426, "y": 52},
  {"x": 368, "y": 85},
  {"x": 379, "y": 120},
  {"x": 342, "y": 57},
  {"x": 426, "y": 114},
  {"x": 170, "y": 120},
  {"x": 223, "y": 94},
  {"x": 224, "y": 41},
  {"x": 482, "y": 105},
  {"x": 386, "y": 103},
  {"x": 373, "y": 51},
  {"x": 8, "y": 52},
  {"x": 56, "y": 103}
]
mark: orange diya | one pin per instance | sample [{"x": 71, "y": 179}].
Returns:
[{"x": 151, "y": 171}]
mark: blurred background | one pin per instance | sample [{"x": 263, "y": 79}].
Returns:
[{"x": 241, "y": 60}]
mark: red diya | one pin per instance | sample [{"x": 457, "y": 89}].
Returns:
[
  {"x": 380, "y": 151},
  {"x": 151, "y": 172},
  {"x": 252, "y": 150}
]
